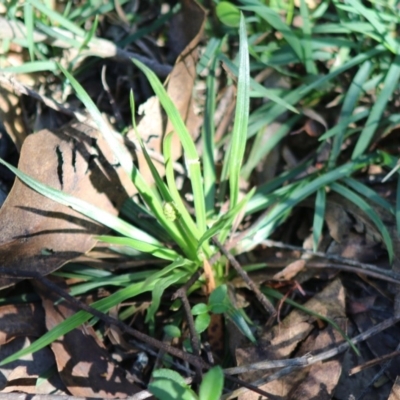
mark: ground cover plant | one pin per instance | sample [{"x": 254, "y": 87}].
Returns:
[{"x": 199, "y": 200}]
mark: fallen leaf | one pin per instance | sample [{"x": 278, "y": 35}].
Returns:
[
  {"x": 21, "y": 375},
  {"x": 395, "y": 393},
  {"x": 282, "y": 340},
  {"x": 18, "y": 320},
  {"x": 39, "y": 234},
  {"x": 84, "y": 365}
]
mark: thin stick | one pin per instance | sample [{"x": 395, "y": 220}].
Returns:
[
  {"x": 243, "y": 274},
  {"x": 293, "y": 364}
]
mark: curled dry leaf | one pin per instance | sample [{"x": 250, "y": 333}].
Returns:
[{"x": 39, "y": 234}]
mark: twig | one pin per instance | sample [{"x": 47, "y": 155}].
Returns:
[
  {"x": 383, "y": 369},
  {"x": 348, "y": 261},
  {"x": 243, "y": 274},
  {"x": 293, "y": 364},
  {"x": 191, "y": 359},
  {"x": 374, "y": 362},
  {"x": 310, "y": 359}
]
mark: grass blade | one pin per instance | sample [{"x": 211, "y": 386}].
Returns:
[
  {"x": 370, "y": 212},
  {"x": 349, "y": 103},
  {"x": 306, "y": 41},
  {"x": 191, "y": 156},
  {"x": 374, "y": 119},
  {"x": 319, "y": 213},
  {"x": 239, "y": 135}
]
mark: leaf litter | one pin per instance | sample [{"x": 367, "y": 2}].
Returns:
[{"x": 39, "y": 235}]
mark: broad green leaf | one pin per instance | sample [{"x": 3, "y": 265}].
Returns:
[
  {"x": 228, "y": 13},
  {"x": 218, "y": 295},
  {"x": 200, "y": 308},
  {"x": 172, "y": 331},
  {"x": 167, "y": 389},
  {"x": 201, "y": 322},
  {"x": 212, "y": 384}
]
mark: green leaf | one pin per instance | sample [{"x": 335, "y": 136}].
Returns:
[
  {"x": 79, "y": 318},
  {"x": 29, "y": 17},
  {"x": 166, "y": 389},
  {"x": 212, "y": 384},
  {"x": 306, "y": 41},
  {"x": 120, "y": 151},
  {"x": 348, "y": 106},
  {"x": 200, "y": 308},
  {"x": 238, "y": 319},
  {"x": 157, "y": 293},
  {"x": 155, "y": 250},
  {"x": 57, "y": 18},
  {"x": 370, "y": 212},
  {"x": 226, "y": 219},
  {"x": 202, "y": 322},
  {"x": 377, "y": 110},
  {"x": 189, "y": 148},
  {"x": 398, "y": 205},
  {"x": 228, "y": 14},
  {"x": 239, "y": 135},
  {"x": 172, "y": 331},
  {"x": 275, "y": 20},
  {"x": 85, "y": 208},
  {"x": 218, "y": 295},
  {"x": 319, "y": 213}
]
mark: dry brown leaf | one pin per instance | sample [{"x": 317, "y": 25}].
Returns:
[
  {"x": 21, "y": 375},
  {"x": 395, "y": 393},
  {"x": 83, "y": 363},
  {"x": 282, "y": 340},
  {"x": 21, "y": 320},
  {"x": 39, "y": 234},
  {"x": 180, "y": 82}
]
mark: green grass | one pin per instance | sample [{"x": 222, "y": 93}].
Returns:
[{"x": 342, "y": 52}]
